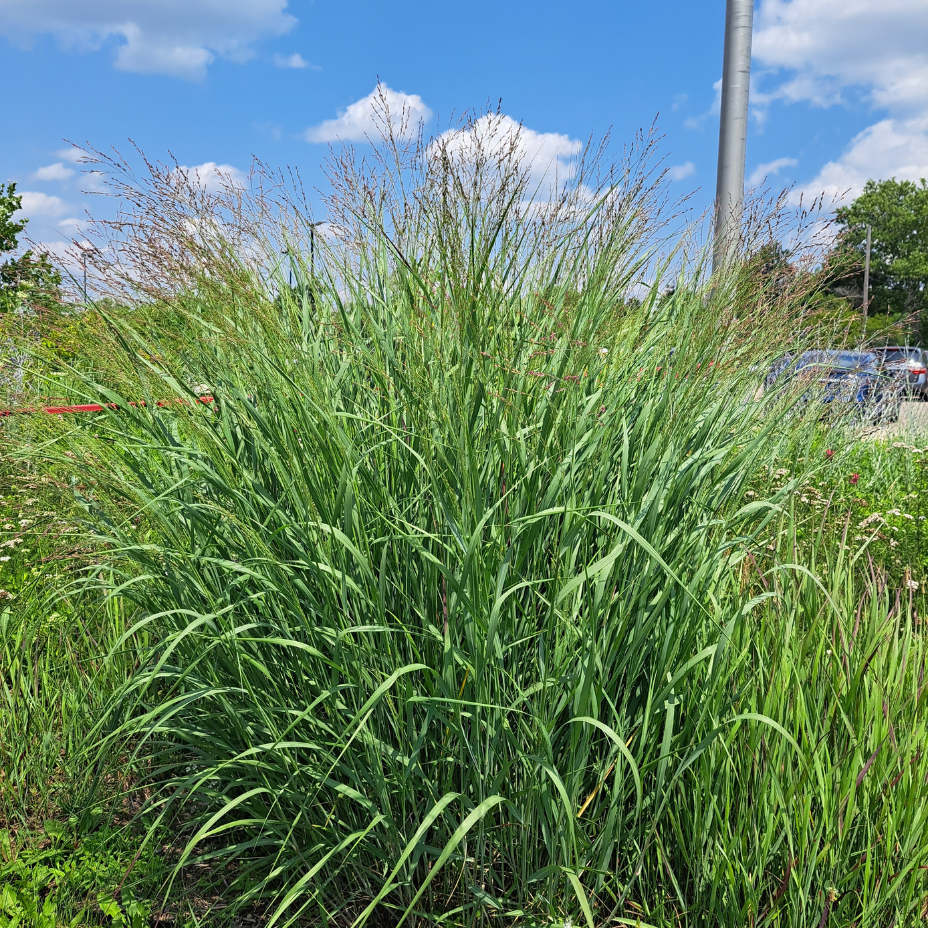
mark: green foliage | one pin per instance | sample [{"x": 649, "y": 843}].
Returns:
[
  {"x": 28, "y": 281},
  {"x": 60, "y": 876},
  {"x": 898, "y": 214},
  {"x": 55, "y": 677}
]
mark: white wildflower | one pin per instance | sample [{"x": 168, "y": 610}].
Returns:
[
  {"x": 25, "y": 522},
  {"x": 5, "y": 558},
  {"x": 911, "y": 584}
]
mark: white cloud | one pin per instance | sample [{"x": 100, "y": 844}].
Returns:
[
  {"x": 57, "y": 171},
  {"x": 771, "y": 169},
  {"x": 296, "y": 60},
  {"x": 74, "y": 155},
  {"x": 549, "y": 156},
  {"x": 831, "y": 45},
  {"x": 174, "y": 37},
  {"x": 891, "y": 148},
  {"x": 696, "y": 122},
  {"x": 822, "y": 49},
  {"x": 681, "y": 171},
  {"x": 364, "y": 118},
  {"x": 212, "y": 177},
  {"x": 35, "y": 203}
]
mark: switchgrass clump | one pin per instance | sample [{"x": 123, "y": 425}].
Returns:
[{"x": 460, "y": 608}]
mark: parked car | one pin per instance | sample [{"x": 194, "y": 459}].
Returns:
[
  {"x": 842, "y": 377},
  {"x": 908, "y": 366}
]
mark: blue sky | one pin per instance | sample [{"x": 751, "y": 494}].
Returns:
[{"x": 840, "y": 86}]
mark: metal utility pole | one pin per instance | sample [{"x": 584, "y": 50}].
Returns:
[
  {"x": 866, "y": 283},
  {"x": 733, "y": 129}
]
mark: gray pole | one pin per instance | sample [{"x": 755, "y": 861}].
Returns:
[
  {"x": 733, "y": 129},
  {"x": 866, "y": 283}
]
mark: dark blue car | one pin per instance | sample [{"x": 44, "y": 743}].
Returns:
[{"x": 840, "y": 376}]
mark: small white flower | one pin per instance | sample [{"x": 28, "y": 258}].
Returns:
[
  {"x": 9, "y": 526},
  {"x": 912, "y": 584},
  {"x": 25, "y": 521},
  {"x": 5, "y": 558}
]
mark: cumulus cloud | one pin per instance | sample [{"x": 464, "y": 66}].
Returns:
[
  {"x": 74, "y": 155},
  {"x": 820, "y": 50},
  {"x": 57, "y": 171},
  {"x": 891, "y": 148},
  {"x": 174, "y": 37},
  {"x": 211, "y": 176},
  {"x": 771, "y": 169},
  {"x": 296, "y": 60},
  {"x": 681, "y": 171},
  {"x": 549, "y": 156},
  {"x": 35, "y": 203},
  {"x": 365, "y": 118},
  {"x": 830, "y": 45}
]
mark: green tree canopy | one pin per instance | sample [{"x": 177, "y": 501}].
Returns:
[
  {"x": 28, "y": 280},
  {"x": 897, "y": 211}
]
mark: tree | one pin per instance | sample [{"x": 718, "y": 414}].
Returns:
[
  {"x": 28, "y": 281},
  {"x": 897, "y": 212}
]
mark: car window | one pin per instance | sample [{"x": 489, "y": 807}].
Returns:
[{"x": 891, "y": 355}]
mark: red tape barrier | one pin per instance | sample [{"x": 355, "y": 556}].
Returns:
[{"x": 93, "y": 407}]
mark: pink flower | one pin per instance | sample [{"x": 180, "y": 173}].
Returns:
[
  {"x": 854, "y": 478},
  {"x": 829, "y": 454}
]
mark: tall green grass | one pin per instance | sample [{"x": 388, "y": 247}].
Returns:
[{"x": 462, "y": 609}]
